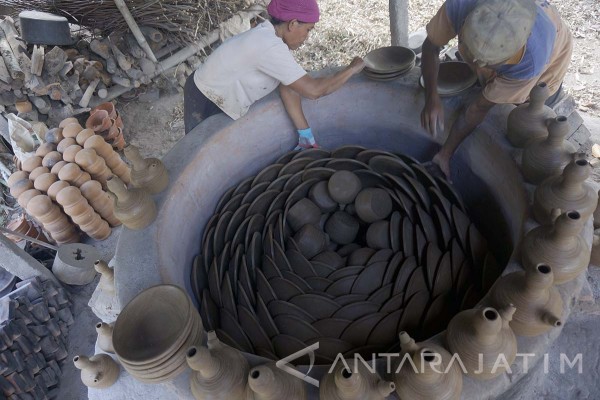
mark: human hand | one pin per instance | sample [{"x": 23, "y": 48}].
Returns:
[
  {"x": 432, "y": 115},
  {"x": 306, "y": 140},
  {"x": 357, "y": 64}
]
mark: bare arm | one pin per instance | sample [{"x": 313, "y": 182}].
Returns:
[
  {"x": 433, "y": 110},
  {"x": 293, "y": 106}
]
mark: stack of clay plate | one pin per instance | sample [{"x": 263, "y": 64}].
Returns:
[
  {"x": 389, "y": 63},
  {"x": 154, "y": 331},
  {"x": 454, "y": 78}
]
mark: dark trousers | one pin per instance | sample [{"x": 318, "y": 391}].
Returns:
[{"x": 196, "y": 106}]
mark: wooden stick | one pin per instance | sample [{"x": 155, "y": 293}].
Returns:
[
  {"x": 139, "y": 36},
  {"x": 122, "y": 60},
  {"x": 10, "y": 58},
  {"x": 85, "y": 100}
]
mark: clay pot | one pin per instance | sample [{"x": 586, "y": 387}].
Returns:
[
  {"x": 37, "y": 172},
  {"x": 378, "y": 235},
  {"x": 310, "y": 240},
  {"x": 99, "y": 121},
  {"x": 51, "y": 159},
  {"x": 108, "y": 107},
  {"x": 16, "y": 177},
  {"x": 100, "y": 201},
  {"x": 73, "y": 174},
  {"x": 119, "y": 142},
  {"x": 99, "y": 371},
  {"x": 353, "y": 381},
  {"x": 302, "y": 213},
  {"x": 19, "y": 187},
  {"x": 21, "y": 225},
  {"x": 43, "y": 182},
  {"x": 373, "y": 204},
  {"x": 58, "y": 166},
  {"x": 64, "y": 144},
  {"x": 54, "y": 135},
  {"x": 319, "y": 194},
  {"x": 84, "y": 135},
  {"x": 221, "y": 372},
  {"x": 70, "y": 152},
  {"x": 546, "y": 157},
  {"x": 104, "y": 341},
  {"x": 82, "y": 214},
  {"x": 560, "y": 245},
  {"x": 479, "y": 336},
  {"x": 67, "y": 121},
  {"x": 133, "y": 207},
  {"x": 44, "y": 149},
  {"x": 343, "y": 186},
  {"x": 107, "y": 276},
  {"x": 71, "y": 130},
  {"x": 435, "y": 376},
  {"x": 55, "y": 188},
  {"x": 528, "y": 121},
  {"x": 31, "y": 163},
  {"x": 27, "y": 195},
  {"x": 146, "y": 173},
  {"x": 112, "y": 159},
  {"x": 94, "y": 164},
  {"x": 342, "y": 228},
  {"x": 538, "y": 302},
  {"x": 569, "y": 191},
  {"x": 267, "y": 382}
]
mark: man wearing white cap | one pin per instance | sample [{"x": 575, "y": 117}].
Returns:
[{"x": 511, "y": 44}]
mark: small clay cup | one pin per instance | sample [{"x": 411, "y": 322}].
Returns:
[
  {"x": 342, "y": 228},
  {"x": 343, "y": 186},
  {"x": 302, "y": 213},
  {"x": 310, "y": 240}
]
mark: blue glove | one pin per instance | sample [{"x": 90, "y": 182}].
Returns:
[{"x": 306, "y": 140}]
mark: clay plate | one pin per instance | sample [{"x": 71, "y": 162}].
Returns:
[
  {"x": 269, "y": 174},
  {"x": 348, "y": 151},
  {"x": 454, "y": 77},
  {"x": 389, "y": 59}
]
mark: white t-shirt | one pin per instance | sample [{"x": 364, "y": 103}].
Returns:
[{"x": 246, "y": 68}]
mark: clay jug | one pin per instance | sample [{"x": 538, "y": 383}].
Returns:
[
  {"x": 146, "y": 173},
  {"x": 351, "y": 380},
  {"x": 528, "y": 121},
  {"x": 71, "y": 130},
  {"x": 112, "y": 159},
  {"x": 54, "y": 135},
  {"x": 105, "y": 332},
  {"x": 58, "y": 166},
  {"x": 53, "y": 219},
  {"x": 98, "y": 121},
  {"x": 67, "y": 121},
  {"x": 221, "y": 371},
  {"x": 538, "y": 302},
  {"x": 20, "y": 187},
  {"x": 267, "y": 382},
  {"x": 568, "y": 191},
  {"x": 107, "y": 276},
  {"x": 560, "y": 245},
  {"x": 81, "y": 213},
  {"x": 99, "y": 371},
  {"x": 431, "y": 376},
  {"x": 100, "y": 201},
  {"x": 480, "y": 336},
  {"x": 546, "y": 157},
  {"x": 133, "y": 207},
  {"x": 64, "y": 144}
]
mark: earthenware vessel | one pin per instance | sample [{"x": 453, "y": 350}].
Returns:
[
  {"x": 538, "y": 302},
  {"x": 19, "y": 224},
  {"x": 55, "y": 188},
  {"x": 343, "y": 186},
  {"x": 373, "y": 204},
  {"x": 71, "y": 130},
  {"x": 27, "y": 195},
  {"x": 94, "y": 165},
  {"x": 98, "y": 121},
  {"x": 147, "y": 173},
  {"x": 84, "y": 135},
  {"x": 20, "y": 187},
  {"x": 310, "y": 240},
  {"x": 44, "y": 149},
  {"x": 546, "y": 157},
  {"x": 53, "y": 219},
  {"x": 99, "y": 371},
  {"x": 112, "y": 159},
  {"x": 560, "y": 245},
  {"x": 302, "y": 213},
  {"x": 342, "y": 228},
  {"x": 351, "y": 380},
  {"x": 81, "y": 213},
  {"x": 70, "y": 152},
  {"x": 100, "y": 201},
  {"x": 267, "y": 382},
  {"x": 221, "y": 372},
  {"x": 479, "y": 336},
  {"x": 51, "y": 159},
  {"x": 64, "y": 144},
  {"x": 378, "y": 235},
  {"x": 104, "y": 341},
  {"x": 434, "y": 378},
  {"x": 73, "y": 174},
  {"x": 528, "y": 121},
  {"x": 568, "y": 191},
  {"x": 17, "y": 176},
  {"x": 43, "y": 182},
  {"x": 108, "y": 107},
  {"x": 107, "y": 276},
  {"x": 31, "y": 163},
  {"x": 319, "y": 194},
  {"x": 37, "y": 172},
  {"x": 133, "y": 207}
]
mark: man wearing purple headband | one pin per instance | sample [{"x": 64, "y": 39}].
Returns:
[{"x": 251, "y": 65}]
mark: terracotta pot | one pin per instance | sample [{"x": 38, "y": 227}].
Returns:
[
  {"x": 343, "y": 186},
  {"x": 435, "y": 376},
  {"x": 37, "y": 172},
  {"x": 373, "y": 204},
  {"x": 108, "y": 107},
  {"x": 16, "y": 177},
  {"x": 104, "y": 340},
  {"x": 73, "y": 174},
  {"x": 319, "y": 194},
  {"x": 82, "y": 214},
  {"x": 31, "y": 163},
  {"x": 479, "y": 336},
  {"x": 378, "y": 235},
  {"x": 99, "y": 371},
  {"x": 27, "y": 195},
  {"x": 64, "y": 144},
  {"x": 100, "y": 201},
  {"x": 43, "y": 182},
  {"x": 58, "y": 166},
  {"x": 560, "y": 245},
  {"x": 546, "y": 157},
  {"x": 54, "y": 135},
  {"x": 55, "y": 188},
  {"x": 53, "y": 219},
  {"x": 84, "y": 135},
  {"x": 146, "y": 173},
  {"x": 99, "y": 121},
  {"x": 51, "y": 159},
  {"x": 302, "y": 213},
  {"x": 267, "y": 382},
  {"x": 70, "y": 152},
  {"x": 112, "y": 159},
  {"x": 133, "y": 207},
  {"x": 71, "y": 130},
  {"x": 342, "y": 228},
  {"x": 353, "y": 381},
  {"x": 569, "y": 191},
  {"x": 538, "y": 302},
  {"x": 310, "y": 240},
  {"x": 528, "y": 121},
  {"x": 67, "y": 121},
  {"x": 107, "y": 276},
  {"x": 221, "y": 372},
  {"x": 112, "y": 132},
  {"x": 44, "y": 149},
  {"x": 19, "y": 187},
  {"x": 119, "y": 142},
  {"x": 20, "y": 225}
]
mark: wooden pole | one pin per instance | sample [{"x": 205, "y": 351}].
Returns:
[
  {"x": 139, "y": 36},
  {"x": 399, "y": 22}
]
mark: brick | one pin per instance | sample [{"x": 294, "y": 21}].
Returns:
[
  {"x": 6, "y": 387},
  {"x": 20, "y": 360}
]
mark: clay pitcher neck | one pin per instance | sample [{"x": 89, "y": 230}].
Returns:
[
  {"x": 573, "y": 177},
  {"x": 537, "y": 97},
  {"x": 558, "y": 128},
  {"x": 262, "y": 380},
  {"x": 567, "y": 228},
  {"x": 200, "y": 359},
  {"x": 84, "y": 363},
  {"x": 104, "y": 329},
  {"x": 349, "y": 383},
  {"x": 487, "y": 324},
  {"x": 133, "y": 154},
  {"x": 103, "y": 268},
  {"x": 428, "y": 366},
  {"x": 538, "y": 281}
]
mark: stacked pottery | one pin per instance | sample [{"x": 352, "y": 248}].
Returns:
[
  {"x": 221, "y": 372},
  {"x": 267, "y": 382},
  {"x": 538, "y": 302},
  {"x": 81, "y": 213},
  {"x": 351, "y": 380},
  {"x": 434, "y": 376},
  {"x": 560, "y": 244},
  {"x": 105, "y": 121},
  {"x": 479, "y": 337},
  {"x": 146, "y": 173},
  {"x": 21, "y": 225},
  {"x": 53, "y": 219},
  {"x": 547, "y": 157},
  {"x": 568, "y": 191},
  {"x": 528, "y": 121},
  {"x": 100, "y": 200},
  {"x": 111, "y": 158},
  {"x": 133, "y": 207},
  {"x": 154, "y": 331},
  {"x": 99, "y": 371}
]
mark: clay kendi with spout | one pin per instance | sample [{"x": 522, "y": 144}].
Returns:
[
  {"x": 267, "y": 382},
  {"x": 133, "y": 207},
  {"x": 351, "y": 380},
  {"x": 146, "y": 173},
  {"x": 528, "y": 121},
  {"x": 99, "y": 371},
  {"x": 104, "y": 341}
]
